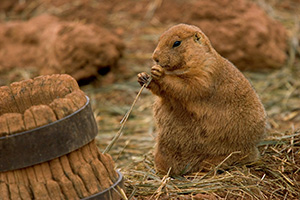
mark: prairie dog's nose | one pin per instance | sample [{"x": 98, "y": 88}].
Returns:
[{"x": 155, "y": 56}]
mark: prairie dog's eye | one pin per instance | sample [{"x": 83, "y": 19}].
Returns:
[{"x": 176, "y": 44}]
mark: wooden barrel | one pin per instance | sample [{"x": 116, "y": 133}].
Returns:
[{"x": 47, "y": 146}]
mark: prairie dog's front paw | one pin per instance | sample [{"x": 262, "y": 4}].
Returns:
[
  {"x": 143, "y": 78},
  {"x": 157, "y": 72}
]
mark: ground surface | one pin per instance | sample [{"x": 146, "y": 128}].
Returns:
[{"x": 277, "y": 176}]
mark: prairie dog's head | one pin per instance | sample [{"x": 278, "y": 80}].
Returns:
[{"x": 180, "y": 46}]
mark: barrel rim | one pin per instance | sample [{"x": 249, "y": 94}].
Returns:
[{"x": 103, "y": 194}]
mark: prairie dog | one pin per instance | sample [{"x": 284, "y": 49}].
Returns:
[{"x": 206, "y": 109}]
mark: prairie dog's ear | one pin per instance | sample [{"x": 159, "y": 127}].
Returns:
[
  {"x": 198, "y": 37},
  {"x": 201, "y": 39}
]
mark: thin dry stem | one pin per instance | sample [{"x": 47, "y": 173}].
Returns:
[{"x": 124, "y": 120}]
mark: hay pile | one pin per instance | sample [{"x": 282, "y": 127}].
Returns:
[{"x": 275, "y": 176}]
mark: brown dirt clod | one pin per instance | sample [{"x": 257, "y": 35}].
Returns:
[{"x": 53, "y": 46}]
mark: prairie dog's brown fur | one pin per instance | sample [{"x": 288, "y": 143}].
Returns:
[{"x": 206, "y": 109}]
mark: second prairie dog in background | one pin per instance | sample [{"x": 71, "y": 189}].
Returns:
[{"x": 206, "y": 109}]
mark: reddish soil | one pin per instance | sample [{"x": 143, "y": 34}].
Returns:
[
  {"x": 83, "y": 39},
  {"x": 53, "y": 46}
]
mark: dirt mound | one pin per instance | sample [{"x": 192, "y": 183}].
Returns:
[
  {"x": 7, "y": 5},
  {"x": 54, "y": 46},
  {"x": 239, "y": 30}
]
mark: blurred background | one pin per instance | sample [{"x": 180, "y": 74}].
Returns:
[{"x": 105, "y": 44}]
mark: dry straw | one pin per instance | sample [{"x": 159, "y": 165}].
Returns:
[
  {"x": 275, "y": 176},
  {"x": 124, "y": 119}
]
